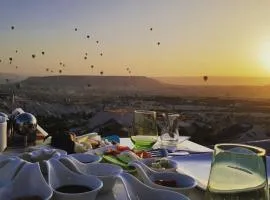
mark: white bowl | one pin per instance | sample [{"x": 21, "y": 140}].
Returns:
[
  {"x": 28, "y": 182},
  {"x": 172, "y": 164},
  {"x": 138, "y": 190},
  {"x": 108, "y": 173},
  {"x": 59, "y": 175},
  {"x": 86, "y": 158}
]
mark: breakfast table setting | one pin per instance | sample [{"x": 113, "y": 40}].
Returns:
[{"x": 144, "y": 165}]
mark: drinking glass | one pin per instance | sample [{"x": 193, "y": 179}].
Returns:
[
  {"x": 169, "y": 131},
  {"x": 144, "y": 132},
  {"x": 238, "y": 172}
]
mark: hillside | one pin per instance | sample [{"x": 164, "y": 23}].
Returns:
[{"x": 105, "y": 82}]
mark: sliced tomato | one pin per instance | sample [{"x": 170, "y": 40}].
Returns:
[{"x": 122, "y": 148}]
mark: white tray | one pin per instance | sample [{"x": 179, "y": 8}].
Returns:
[{"x": 198, "y": 166}]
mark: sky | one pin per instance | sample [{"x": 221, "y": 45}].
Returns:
[{"x": 197, "y": 37}]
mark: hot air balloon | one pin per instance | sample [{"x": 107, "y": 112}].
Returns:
[
  {"x": 158, "y": 43},
  {"x": 76, "y": 29},
  {"x": 10, "y": 59},
  {"x": 85, "y": 57},
  {"x": 51, "y": 71},
  {"x": 12, "y": 27},
  {"x": 16, "y": 67},
  {"x": 88, "y": 36},
  {"x": 0, "y": 60},
  {"x": 64, "y": 65},
  {"x": 101, "y": 54},
  {"x": 16, "y": 51},
  {"x": 101, "y": 73},
  {"x": 151, "y": 29},
  {"x": 86, "y": 53},
  {"x": 42, "y": 52},
  {"x": 127, "y": 69},
  {"x": 60, "y": 71},
  {"x": 47, "y": 69},
  {"x": 205, "y": 78},
  {"x": 33, "y": 55},
  {"x": 97, "y": 41},
  {"x": 60, "y": 63},
  {"x": 92, "y": 66}
]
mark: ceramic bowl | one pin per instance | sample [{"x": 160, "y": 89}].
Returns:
[
  {"x": 138, "y": 190},
  {"x": 108, "y": 173},
  {"x": 24, "y": 185},
  {"x": 172, "y": 164},
  {"x": 59, "y": 175},
  {"x": 86, "y": 158}
]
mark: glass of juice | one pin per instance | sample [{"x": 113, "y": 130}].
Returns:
[
  {"x": 144, "y": 133},
  {"x": 238, "y": 172}
]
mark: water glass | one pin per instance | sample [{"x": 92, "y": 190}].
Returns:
[
  {"x": 238, "y": 172},
  {"x": 169, "y": 131},
  {"x": 144, "y": 132}
]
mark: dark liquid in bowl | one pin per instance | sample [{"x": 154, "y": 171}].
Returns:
[
  {"x": 28, "y": 198},
  {"x": 73, "y": 189}
]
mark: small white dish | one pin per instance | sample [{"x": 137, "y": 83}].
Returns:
[
  {"x": 86, "y": 158},
  {"x": 59, "y": 175},
  {"x": 172, "y": 165},
  {"x": 42, "y": 154},
  {"x": 184, "y": 183},
  {"x": 139, "y": 190},
  {"x": 9, "y": 167},
  {"x": 108, "y": 173},
  {"x": 28, "y": 182}
]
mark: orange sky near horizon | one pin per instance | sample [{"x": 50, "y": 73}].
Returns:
[{"x": 197, "y": 37}]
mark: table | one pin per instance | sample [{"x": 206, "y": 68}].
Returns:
[{"x": 195, "y": 194}]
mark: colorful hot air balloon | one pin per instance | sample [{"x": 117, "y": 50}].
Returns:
[{"x": 205, "y": 78}]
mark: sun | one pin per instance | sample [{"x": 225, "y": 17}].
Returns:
[{"x": 265, "y": 56}]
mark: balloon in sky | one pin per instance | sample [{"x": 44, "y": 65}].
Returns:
[
  {"x": 76, "y": 29},
  {"x": 47, "y": 69},
  {"x": 33, "y": 55},
  {"x": 101, "y": 73},
  {"x": 16, "y": 67},
  {"x": 205, "y": 78},
  {"x": 42, "y": 52},
  {"x": 60, "y": 71},
  {"x": 151, "y": 29},
  {"x": 16, "y": 51},
  {"x": 97, "y": 41},
  {"x": 64, "y": 65},
  {"x": 85, "y": 57},
  {"x": 158, "y": 43},
  {"x": 60, "y": 63},
  {"x": 0, "y": 60},
  {"x": 92, "y": 66},
  {"x": 86, "y": 53},
  {"x": 88, "y": 36},
  {"x": 101, "y": 54},
  {"x": 12, "y": 27},
  {"x": 10, "y": 59}
]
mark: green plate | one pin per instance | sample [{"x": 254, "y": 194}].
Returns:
[{"x": 114, "y": 160}]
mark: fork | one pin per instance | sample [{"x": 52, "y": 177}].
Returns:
[{"x": 162, "y": 152}]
